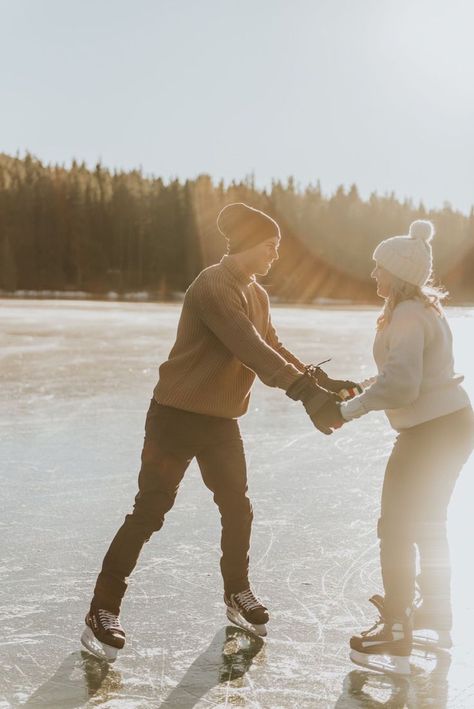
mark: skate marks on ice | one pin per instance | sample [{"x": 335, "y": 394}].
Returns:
[
  {"x": 314, "y": 547},
  {"x": 229, "y": 657},
  {"x": 371, "y": 691},
  {"x": 79, "y": 679},
  {"x": 83, "y": 680},
  {"x": 426, "y": 687}
]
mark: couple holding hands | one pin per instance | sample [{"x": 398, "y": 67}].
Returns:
[{"x": 225, "y": 338}]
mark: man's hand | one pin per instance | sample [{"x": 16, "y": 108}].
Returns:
[
  {"x": 330, "y": 416},
  {"x": 319, "y": 404},
  {"x": 344, "y": 388}
]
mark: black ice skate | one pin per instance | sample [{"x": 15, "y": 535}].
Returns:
[
  {"x": 427, "y": 629},
  {"x": 386, "y": 646},
  {"x": 103, "y": 635},
  {"x": 247, "y": 611}
]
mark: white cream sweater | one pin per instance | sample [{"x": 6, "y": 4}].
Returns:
[{"x": 416, "y": 380}]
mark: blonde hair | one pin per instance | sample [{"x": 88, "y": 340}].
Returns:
[{"x": 429, "y": 294}]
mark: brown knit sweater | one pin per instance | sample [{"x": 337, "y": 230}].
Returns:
[{"x": 225, "y": 337}]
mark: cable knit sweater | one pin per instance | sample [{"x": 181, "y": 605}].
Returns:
[
  {"x": 225, "y": 337},
  {"x": 416, "y": 380}
]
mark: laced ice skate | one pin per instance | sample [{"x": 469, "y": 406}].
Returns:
[
  {"x": 103, "y": 635},
  {"x": 386, "y": 646},
  {"x": 247, "y": 611},
  {"x": 426, "y": 630}
]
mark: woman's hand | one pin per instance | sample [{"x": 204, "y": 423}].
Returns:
[{"x": 344, "y": 388}]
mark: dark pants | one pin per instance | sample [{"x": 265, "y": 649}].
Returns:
[
  {"x": 419, "y": 480},
  {"x": 172, "y": 439}
]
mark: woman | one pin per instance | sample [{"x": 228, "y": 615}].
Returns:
[{"x": 425, "y": 402}]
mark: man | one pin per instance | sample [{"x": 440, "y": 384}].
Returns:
[{"x": 225, "y": 338}]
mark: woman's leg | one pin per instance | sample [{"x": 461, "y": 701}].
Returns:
[
  {"x": 419, "y": 480},
  {"x": 452, "y": 441},
  {"x": 397, "y": 548},
  {"x": 434, "y": 581},
  {"x": 387, "y": 645}
]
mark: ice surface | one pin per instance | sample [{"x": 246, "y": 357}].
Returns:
[{"x": 76, "y": 379}]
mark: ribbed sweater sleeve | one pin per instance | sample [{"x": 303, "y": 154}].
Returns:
[
  {"x": 398, "y": 384},
  {"x": 223, "y": 311},
  {"x": 273, "y": 340}
]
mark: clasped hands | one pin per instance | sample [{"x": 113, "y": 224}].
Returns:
[{"x": 321, "y": 397}]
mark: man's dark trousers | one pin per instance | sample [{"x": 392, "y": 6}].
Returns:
[{"x": 174, "y": 437}]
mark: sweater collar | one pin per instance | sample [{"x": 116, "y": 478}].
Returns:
[{"x": 231, "y": 265}]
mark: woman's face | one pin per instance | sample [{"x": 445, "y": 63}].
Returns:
[{"x": 383, "y": 279}]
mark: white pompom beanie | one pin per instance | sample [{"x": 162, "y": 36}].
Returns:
[{"x": 408, "y": 257}]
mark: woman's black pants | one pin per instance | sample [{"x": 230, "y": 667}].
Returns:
[{"x": 419, "y": 480}]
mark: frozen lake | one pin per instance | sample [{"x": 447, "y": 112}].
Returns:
[{"x": 76, "y": 379}]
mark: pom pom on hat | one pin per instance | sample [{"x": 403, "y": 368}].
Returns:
[
  {"x": 421, "y": 229},
  {"x": 408, "y": 257}
]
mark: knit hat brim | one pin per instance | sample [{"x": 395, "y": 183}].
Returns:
[
  {"x": 408, "y": 257},
  {"x": 245, "y": 227}
]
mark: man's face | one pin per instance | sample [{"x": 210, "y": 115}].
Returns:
[
  {"x": 383, "y": 279},
  {"x": 263, "y": 255}
]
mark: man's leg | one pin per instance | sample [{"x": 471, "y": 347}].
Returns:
[
  {"x": 223, "y": 469},
  {"x": 164, "y": 462}
]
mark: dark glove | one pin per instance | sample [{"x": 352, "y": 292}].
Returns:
[
  {"x": 319, "y": 404},
  {"x": 344, "y": 388}
]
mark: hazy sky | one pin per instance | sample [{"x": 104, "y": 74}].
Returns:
[{"x": 376, "y": 92}]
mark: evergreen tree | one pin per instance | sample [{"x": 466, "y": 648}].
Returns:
[
  {"x": 8, "y": 272},
  {"x": 97, "y": 230}
]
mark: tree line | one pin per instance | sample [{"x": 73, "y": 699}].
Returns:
[{"x": 96, "y": 230}]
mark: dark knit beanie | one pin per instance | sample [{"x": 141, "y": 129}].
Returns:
[{"x": 245, "y": 227}]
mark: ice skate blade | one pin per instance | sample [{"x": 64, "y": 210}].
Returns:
[
  {"x": 389, "y": 664},
  {"x": 235, "y": 617},
  {"x": 94, "y": 646},
  {"x": 433, "y": 639}
]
